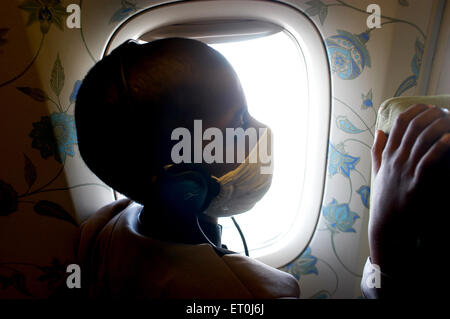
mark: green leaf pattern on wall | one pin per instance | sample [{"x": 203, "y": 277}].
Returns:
[
  {"x": 35, "y": 93},
  {"x": 53, "y": 135},
  {"x": 58, "y": 77},
  {"x": 30, "y": 172},
  {"x": 13, "y": 274},
  {"x": 16, "y": 280},
  {"x": 9, "y": 199},
  {"x": 50, "y": 209},
  {"x": 53, "y": 274},
  {"x": 317, "y": 8}
]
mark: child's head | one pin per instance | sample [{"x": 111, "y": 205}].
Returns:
[{"x": 132, "y": 100}]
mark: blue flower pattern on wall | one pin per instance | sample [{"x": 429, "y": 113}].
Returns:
[
  {"x": 76, "y": 88},
  {"x": 348, "y": 54},
  {"x": 367, "y": 101},
  {"x": 349, "y": 57},
  {"x": 127, "y": 8},
  {"x": 339, "y": 217},
  {"x": 52, "y": 135},
  {"x": 364, "y": 192},
  {"x": 304, "y": 265},
  {"x": 55, "y": 135},
  {"x": 339, "y": 161},
  {"x": 46, "y": 12}
]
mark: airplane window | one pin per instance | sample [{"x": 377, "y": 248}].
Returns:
[{"x": 274, "y": 78}]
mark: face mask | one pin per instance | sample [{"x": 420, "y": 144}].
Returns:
[{"x": 243, "y": 187}]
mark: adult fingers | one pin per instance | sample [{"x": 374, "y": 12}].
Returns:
[
  {"x": 429, "y": 137},
  {"x": 401, "y": 124},
  {"x": 422, "y": 123},
  {"x": 436, "y": 153},
  {"x": 377, "y": 150}
]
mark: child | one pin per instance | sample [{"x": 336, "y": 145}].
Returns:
[{"x": 127, "y": 109}]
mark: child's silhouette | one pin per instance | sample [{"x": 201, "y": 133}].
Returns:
[{"x": 126, "y": 110}]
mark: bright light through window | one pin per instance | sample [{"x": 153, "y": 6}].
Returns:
[{"x": 273, "y": 74}]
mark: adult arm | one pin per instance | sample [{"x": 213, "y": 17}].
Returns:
[{"x": 402, "y": 167}]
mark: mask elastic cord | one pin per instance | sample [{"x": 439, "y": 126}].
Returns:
[
  {"x": 203, "y": 234},
  {"x": 221, "y": 251},
  {"x": 244, "y": 242}
]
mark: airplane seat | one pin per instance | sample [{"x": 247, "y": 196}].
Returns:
[{"x": 123, "y": 263}]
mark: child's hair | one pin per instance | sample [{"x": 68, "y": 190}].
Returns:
[{"x": 132, "y": 99}]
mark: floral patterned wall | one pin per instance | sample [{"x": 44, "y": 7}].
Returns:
[
  {"x": 363, "y": 62},
  {"x": 46, "y": 191}
]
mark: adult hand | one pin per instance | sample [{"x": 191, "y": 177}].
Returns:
[{"x": 403, "y": 164}]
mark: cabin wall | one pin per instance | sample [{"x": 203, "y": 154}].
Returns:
[
  {"x": 332, "y": 265},
  {"x": 46, "y": 190},
  {"x": 440, "y": 78}
]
